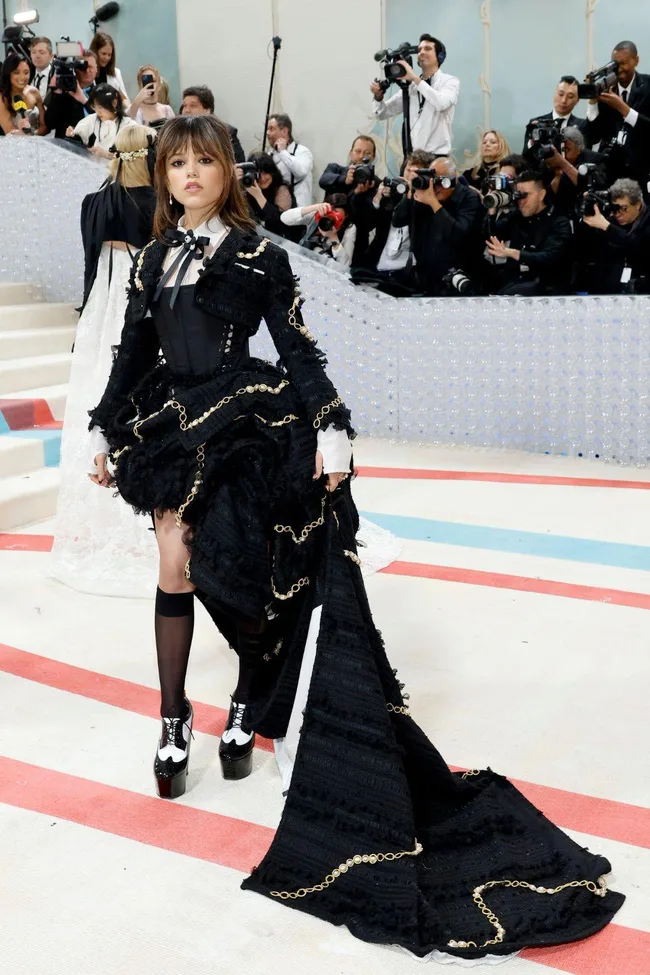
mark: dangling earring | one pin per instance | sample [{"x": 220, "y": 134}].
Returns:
[{"x": 171, "y": 200}]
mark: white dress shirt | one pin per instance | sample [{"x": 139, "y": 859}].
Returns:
[
  {"x": 42, "y": 79},
  {"x": 333, "y": 444},
  {"x": 117, "y": 81},
  {"x": 432, "y": 112},
  {"x": 105, "y": 132},
  {"x": 396, "y": 250},
  {"x": 296, "y": 164}
]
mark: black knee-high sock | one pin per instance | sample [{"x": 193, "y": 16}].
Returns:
[
  {"x": 250, "y": 645},
  {"x": 174, "y": 623}
]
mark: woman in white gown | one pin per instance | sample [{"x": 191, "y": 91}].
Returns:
[{"x": 100, "y": 546}]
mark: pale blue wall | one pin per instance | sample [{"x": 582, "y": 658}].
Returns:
[
  {"x": 144, "y": 30},
  {"x": 533, "y": 44}
]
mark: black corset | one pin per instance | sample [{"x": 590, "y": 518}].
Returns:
[{"x": 193, "y": 342}]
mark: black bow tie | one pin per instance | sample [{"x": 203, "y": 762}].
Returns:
[{"x": 191, "y": 249}]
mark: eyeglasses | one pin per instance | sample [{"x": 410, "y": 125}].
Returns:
[{"x": 620, "y": 207}]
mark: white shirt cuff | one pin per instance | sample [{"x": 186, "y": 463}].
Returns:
[
  {"x": 336, "y": 450},
  {"x": 98, "y": 445},
  {"x": 632, "y": 117},
  {"x": 592, "y": 112}
]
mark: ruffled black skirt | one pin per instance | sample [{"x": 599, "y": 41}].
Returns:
[{"x": 377, "y": 833}]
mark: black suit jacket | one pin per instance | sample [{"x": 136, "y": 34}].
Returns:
[
  {"x": 610, "y": 122},
  {"x": 240, "y": 155},
  {"x": 547, "y": 119}
]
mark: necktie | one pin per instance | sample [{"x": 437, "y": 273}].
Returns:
[
  {"x": 625, "y": 96},
  {"x": 191, "y": 248},
  {"x": 37, "y": 80}
]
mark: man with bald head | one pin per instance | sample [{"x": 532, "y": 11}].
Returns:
[{"x": 445, "y": 217}]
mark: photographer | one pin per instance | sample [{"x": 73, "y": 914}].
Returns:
[
  {"x": 64, "y": 108},
  {"x": 625, "y": 243},
  {"x": 565, "y": 99},
  {"x": 529, "y": 249},
  {"x": 199, "y": 100},
  {"x": 433, "y": 96},
  {"x": 614, "y": 116},
  {"x": 294, "y": 161},
  {"x": 268, "y": 197},
  {"x": 444, "y": 218},
  {"x": 568, "y": 183},
  {"x": 341, "y": 179},
  {"x": 333, "y": 232}
]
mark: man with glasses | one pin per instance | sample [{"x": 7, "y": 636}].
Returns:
[{"x": 625, "y": 239}]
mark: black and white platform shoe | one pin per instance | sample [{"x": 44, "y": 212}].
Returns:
[
  {"x": 236, "y": 745},
  {"x": 172, "y": 757}
]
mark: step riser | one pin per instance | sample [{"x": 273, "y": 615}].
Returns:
[
  {"x": 19, "y": 294},
  {"x": 36, "y": 316},
  {"x": 48, "y": 342},
  {"x": 24, "y": 509},
  {"x": 20, "y": 458},
  {"x": 29, "y": 376}
]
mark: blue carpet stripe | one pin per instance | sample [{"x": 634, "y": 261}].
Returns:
[{"x": 517, "y": 542}]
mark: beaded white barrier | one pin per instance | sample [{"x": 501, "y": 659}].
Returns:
[
  {"x": 561, "y": 375},
  {"x": 564, "y": 375},
  {"x": 42, "y": 185}
]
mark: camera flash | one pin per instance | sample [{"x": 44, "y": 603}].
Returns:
[{"x": 25, "y": 17}]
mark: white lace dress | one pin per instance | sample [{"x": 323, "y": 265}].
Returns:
[{"x": 100, "y": 545}]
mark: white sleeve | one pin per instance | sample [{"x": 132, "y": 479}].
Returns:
[
  {"x": 632, "y": 117},
  {"x": 592, "y": 112},
  {"x": 387, "y": 108},
  {"x": 119, "y": 83},
  {"x": 85, "y": 127},
  {"x": 343, "y": 251},
  {"x": 294, "y": 217},
  {"x": 98, "y": 445},
  {"x": 336, "y": 450},
  {"x": 300, "y": 164}
]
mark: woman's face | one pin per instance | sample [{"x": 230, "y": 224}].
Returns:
[
  {"x": 20, "y": 77},
  {"x": 104, "y": 54},
  {"x": 105, "y": 114},
  {"x": 490, "y": 147},
  {"x": 195, "y": 180},
  {"x": 265, "y": 180}
]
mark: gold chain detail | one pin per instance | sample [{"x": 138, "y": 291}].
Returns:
[
  {"x": 275, "y": 652},
  {"x": 325, "y": 410},
  {"x": 304, "y": 534},
  {"x": 187, "y": 569},
  {"x": 353, "y": 861},
  {"x": 352, "y": 556},
  {"x": 599, "y": 889},
  {"x": 198, "y": 478},
  {"x": 395, "y": 709},
  {"x": 296, "y": 587},
  {"x": 138, "y": 268},
  {"x": 293, "y": 321},
  {"x": 289, "y": 418},
  {"x": 472, "y": 771},
  {"x": 260, "y": 250}
]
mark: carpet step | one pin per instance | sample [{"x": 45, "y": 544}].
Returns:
[
  {"x": 28, "y": 497},
  {"x": 43, "y": 315},
  {"x": 25, "y": 373},
  {"x": 19, "y": 293},
  {"x": 26, "y": 342}
]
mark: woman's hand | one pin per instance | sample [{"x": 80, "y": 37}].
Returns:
[
  {"x": 256, "y": 192},
  {"x": 103, "y": 477},
  {"x": 102, "y": 153},
  {"x": 313, "y": 208},
  {"x": 333, "y": 480},
  {"x": 69, "y": 132}
]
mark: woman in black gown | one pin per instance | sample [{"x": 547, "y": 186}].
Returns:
[{"x": 376, "y": 833}]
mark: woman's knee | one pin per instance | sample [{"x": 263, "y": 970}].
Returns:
[{"x": 172, "y": 579}]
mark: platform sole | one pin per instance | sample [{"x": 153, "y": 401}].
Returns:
[
  {"x": 237, "y": 768},
  {"x": 171, "y": 787}
]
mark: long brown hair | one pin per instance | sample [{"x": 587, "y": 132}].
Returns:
[
  {"x": 103, "y": 40},
  {"x": 207, "y": 135}
]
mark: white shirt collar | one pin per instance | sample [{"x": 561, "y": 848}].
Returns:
[
  {"x": 621, "y": 89},
  {"x": 563, "y": 117},
  {"x": 214, "y": 228}
]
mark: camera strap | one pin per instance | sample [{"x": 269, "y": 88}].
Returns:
[
  {"x": 295, "y": 182},
  {"x": 421, "y": 98}
]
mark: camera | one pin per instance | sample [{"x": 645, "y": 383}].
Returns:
[
  {"x": 330, "y": 221},
  {"x": 500, "y": 192},
  {"x": 595, "y": 198},
  {"x": 425, "y": 176},
  {"x": 457, "y": 281},
  {"x": 392, "y": 70},
  {"x": 545, "y": 139},
  {"x": 599, "y": 81},
  {"x": 251, "y": 173},
  {"x": 364, "y": 172},
  {"x": 398, "y": 188},
  {"x": 66, "y": 63}
]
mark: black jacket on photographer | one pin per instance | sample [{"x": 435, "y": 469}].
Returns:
[
  {"x": 550, "y": 119},
  {"x": 449, "y": 238},
  {"x": 545, "y": 243},
  {"x": 62, "y": 110},
  {"x": 610, "y": 252},
  {"x": 625, "y": 145},
  {"x": 362, "y": 211}
]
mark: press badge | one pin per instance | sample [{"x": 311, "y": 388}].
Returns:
[{"x": 626, "y": 275}]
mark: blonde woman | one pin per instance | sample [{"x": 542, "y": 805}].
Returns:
[
  {"x": 101, "y": 547},
  {"x": 492, "y": 150},
  {"x": 147, "y": 108}
]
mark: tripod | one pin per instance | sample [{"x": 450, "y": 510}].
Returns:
[{"x": 277, "y": 44}]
